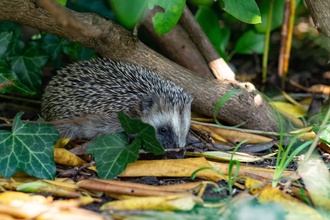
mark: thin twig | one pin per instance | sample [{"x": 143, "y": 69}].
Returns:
[{"x": 218, "y": 66}]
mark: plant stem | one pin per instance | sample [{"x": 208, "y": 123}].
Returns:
[{"x": 267, "y": 39}]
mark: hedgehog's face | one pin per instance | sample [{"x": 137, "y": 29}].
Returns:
[{"x": 171, "y": 122}]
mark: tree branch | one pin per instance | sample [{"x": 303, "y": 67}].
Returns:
[
  {"x": 320, "y": 11},
  {"x": 217, "y": 64},
  {"x": 177, "y": 46},
  {"x": 117, "y": 43}
]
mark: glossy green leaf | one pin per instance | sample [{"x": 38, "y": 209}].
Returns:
[
  {"x": 5, "y": 38},
  {"x": 251, "y": 42},
  {"x": 128, "y": 12},
  {"x": 9, "y": 81},
  {"x": 202, "y": 2},
  {"x": 143, "y": 131},
  {"x": 29, "y": 147},
  {"x": 54, "y": 46},
  {"x": 15, "y": 45},
  {"x": 165, "y": 21},
  {"x": 112, "y": 153},
  {"x": 61, "y": 2},
  {"x": 28, "y": 66},
  {"x": 244, "y": 10},
  {"x": 278, "y": 10}
]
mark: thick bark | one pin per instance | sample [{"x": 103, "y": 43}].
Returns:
[
  {"x": 177, "y": 46},
  {"x": 320, "y": 11},
  {"x": 114, "y": 42}
]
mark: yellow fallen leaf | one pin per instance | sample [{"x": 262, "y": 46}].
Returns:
[
  {"x": 10, "y": 197},
  {"x": 290, "y": 109},
  {"x": 164, "y": 203},
  {"x": 226, "y": 156},
  {"x": 171, "y": 168},
  {"x": 250, "y": 171},
  {"x": 22, "y": 205},
  {"x": 6, "y": 217},
  {"x": 44, "y": 187},
  {"x": 224, "y": 134},
  {"x": 65, "y": 185},
  {"x": 294, "y": 207},
  {"x": 62, "y": 142},
  {"x": 65, "y": 157},
  {"x": 118, "y": 188},
  {"x": 253, "y": 185},
  {"x": 55, "y": 213}
]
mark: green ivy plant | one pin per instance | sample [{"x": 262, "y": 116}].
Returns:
[
  {"x": 113, "y": 152},
  {"x": 28, "y": 147},
  {"x": 21, "y": 62}
]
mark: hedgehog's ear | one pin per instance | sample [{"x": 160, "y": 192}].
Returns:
[{"x": 146, "y": 104}]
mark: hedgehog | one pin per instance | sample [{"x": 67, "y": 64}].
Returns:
[{"x": 84, "y": 99}]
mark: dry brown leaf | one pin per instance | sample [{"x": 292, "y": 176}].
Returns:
[
  {"x": 62, "y": 142},
  {"x": 46, "y": 186},
  {"x": 22, "y": 205},
  {"x": 290, "y": 109},
  {"x": 253, "y": 185},
  {"x": 6, "y": 217},
  {"x": 171, "y": 168},
  {"x": 295, "y": 209},
  {"x": 65, "y": 157},
  {"x": 227, "y": 156},
  {"x": 165, "y": 203},
  {"x": 249, "y": 171},
  {"x": 118, "y": 188},
  {"x": 324, "y": 147},
  {"x": 222, "y": 134},
  {"x": 55, "y": 213},
  {"x": 183, "y": 187},
  {"x": 320, "y": 89},
  {"x": 121, "y": 188}
]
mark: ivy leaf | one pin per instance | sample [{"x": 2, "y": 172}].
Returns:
[
  {"x": 16, "y": 45},
  {"x": 29, "y": 147},
  {"x": 144, "y": 131},
  {"x": 112, "y": 153},
  {"x": 250, "y": 42},
  {"x": 244, "y": 10},
  {"x": 5, "y": 38},
  {"x": 52, "y": 45},
  {"x": 28, "y": 66},
  {"x": 165, "y": 21},
  {"x": 128, "y": 12},
  {"x": 9, "y": 81}
]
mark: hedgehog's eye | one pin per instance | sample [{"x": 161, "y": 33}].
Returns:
[{"x": 162, "y": 130}]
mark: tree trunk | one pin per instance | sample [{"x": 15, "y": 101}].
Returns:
[
  {"x": 320, "y": 11},
  {"x": 112, "y": 41}
]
